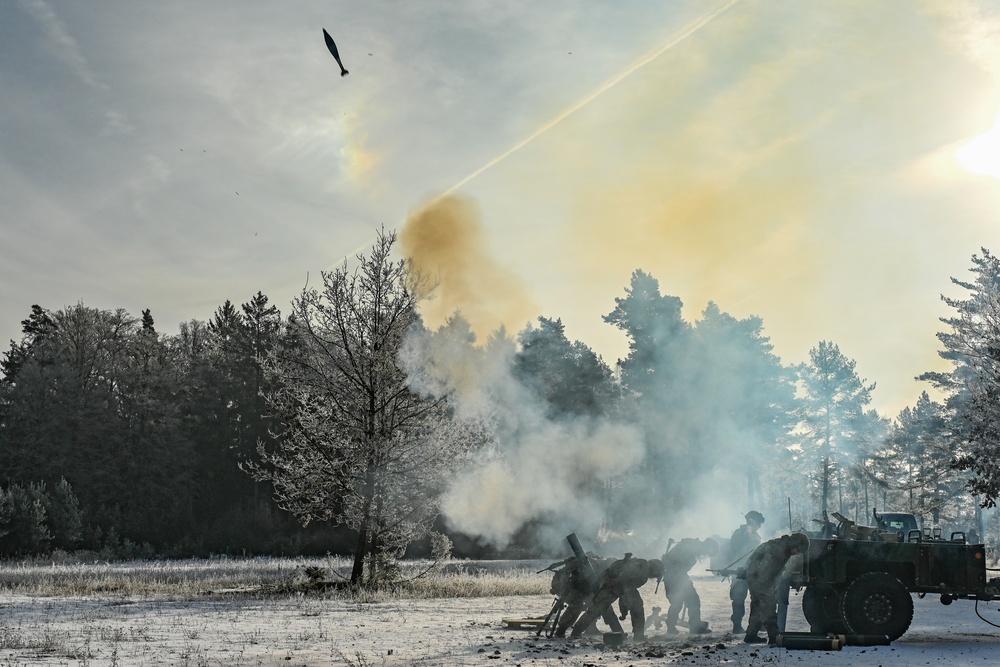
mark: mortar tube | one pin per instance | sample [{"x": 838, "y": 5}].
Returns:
[
  {"x": 862, "y": 640},
  {"x": 809, "y": 643},
  {"x": 608, "y": 616}
]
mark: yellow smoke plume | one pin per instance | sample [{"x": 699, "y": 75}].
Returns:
[{"x": 446, "y": 241}]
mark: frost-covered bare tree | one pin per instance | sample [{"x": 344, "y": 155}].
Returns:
[
  {"x": 359, "y": 446},
  {"x": 973, "y": 386}
]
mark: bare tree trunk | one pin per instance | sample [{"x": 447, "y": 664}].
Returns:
[
  {"x": 364, "y": 533},
  {"x": 840, "y": 492},
  {"x": 376, "y": 564},
  {"x": 360, "y": 550},
  {"x": 867, "y": 503},
  {"x": 910, "y": 484},
  {"x": 826, "y": 483},
  {"x": 979, "y": 520}
]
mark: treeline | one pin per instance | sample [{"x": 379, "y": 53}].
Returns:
[
  {"x": 144, "y": 431},
  {"x": 114, "y": 436}
]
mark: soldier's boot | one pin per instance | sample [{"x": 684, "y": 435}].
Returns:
[
  {"x": 737, "y": 620},
  {"x": 752, "y": 636},
  {"x": 673, "y": 613},
  {"x": 699, "y": 628},
  {"x": 562, "y": 624},
  {"x": 639, "y": 631},
  {"x": 696, "y": 626},
  {"x": 772, "y": 633}
]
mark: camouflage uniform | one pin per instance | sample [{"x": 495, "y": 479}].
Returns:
[
  {"x": 744, "y": 540},
  {"x": 621, "y": 581},
  {"x": 763, "y": 572},
  {"x": 570, "y": 584},
  {"x": 680, "y": 590}
]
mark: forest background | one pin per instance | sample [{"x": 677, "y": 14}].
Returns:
[{"x": 120, "y": 439}]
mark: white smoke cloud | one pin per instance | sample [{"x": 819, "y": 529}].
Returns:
[
  {"x": 553, "y": 471},
  {"x": 538, "y": 470}
]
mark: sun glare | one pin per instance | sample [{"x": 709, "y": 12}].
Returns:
[{"x": 982, "y": 154}]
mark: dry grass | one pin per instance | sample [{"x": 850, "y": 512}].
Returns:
[
  {"x": 264, "y": 577},
  {"x": 257, "y": 611}
]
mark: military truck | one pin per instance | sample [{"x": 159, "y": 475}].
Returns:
[{"x": 860, "y": 580}]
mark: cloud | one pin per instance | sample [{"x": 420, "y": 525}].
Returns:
[
  {"x": 61, "y": 43},
  {"x": 116, "y": 123},
  {"x": 757, "y": 165}
]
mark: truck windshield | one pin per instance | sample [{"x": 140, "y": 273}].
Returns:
[{"x": 900, "y": 522}]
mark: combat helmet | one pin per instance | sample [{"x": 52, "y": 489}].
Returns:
[
  {"x": 755, "y": 516},
  {"x": 798, "y": 541},
  {"x": 709, "y": 547},
  {"x": 655, "y": 568}
]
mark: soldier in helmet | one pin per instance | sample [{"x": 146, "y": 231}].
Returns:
[
  {"x": 575, "y": 591},
  {"x": 680, "y": 590},
  {"x": 621, "y": 581},
  {"x": 744, "y": 540},
  {"x": 764, "y": 569}
]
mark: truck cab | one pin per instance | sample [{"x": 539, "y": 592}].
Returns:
[{"x": 900, "y": 523}]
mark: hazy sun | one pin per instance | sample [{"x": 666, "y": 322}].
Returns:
[{"x": 982, "y": 154}]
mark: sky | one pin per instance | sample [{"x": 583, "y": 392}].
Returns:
[{"x": 827, "y": 166}]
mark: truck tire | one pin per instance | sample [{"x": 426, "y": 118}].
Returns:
[
  {"x": 877, "y": 603},
  {"x": 821, "y": 607}
]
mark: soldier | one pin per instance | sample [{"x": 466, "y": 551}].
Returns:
[
  {"x": 680, "y": 590},
  {"x": 571, "y": 586},
  {"x": 744, "y": 540},
  {"x": 622, "y": 580},
  {"x": 763, "y": 572}
]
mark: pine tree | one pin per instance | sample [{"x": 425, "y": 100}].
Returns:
[
  {"x": 706, "y": 395},
  {"x": 834, "y": 422},
  {"x": 922, "y": 438},
  {"x": 972, "y": 345},
  {"x": 568, "y": 376}
]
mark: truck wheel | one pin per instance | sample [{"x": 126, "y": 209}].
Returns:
[
  {"x": 821, "y": 607},
  {"x": 877, "y": 603}
]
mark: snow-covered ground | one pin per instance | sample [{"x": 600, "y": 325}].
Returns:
[{"x": 445, "y": 632}]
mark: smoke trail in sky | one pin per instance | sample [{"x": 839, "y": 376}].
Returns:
[{"x": 608, "y": 85}]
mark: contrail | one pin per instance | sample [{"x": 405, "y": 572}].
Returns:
[
  {"x": 608, "y": 85},
  {"x": 641, "y": 62}
]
